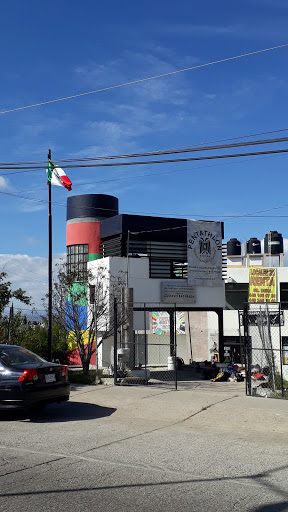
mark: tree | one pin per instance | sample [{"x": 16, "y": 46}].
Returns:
[
  {"x": 6, "y": 293},
  {"x": 84, "y": 312},
  {"x": 33, "y": 335}
]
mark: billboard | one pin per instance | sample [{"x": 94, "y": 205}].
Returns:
[
  {"x": 204, "y": 253},
  {"x": 262, "y": 284}
]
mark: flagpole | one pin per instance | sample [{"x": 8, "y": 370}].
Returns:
[{"x": 49, "y": 349}]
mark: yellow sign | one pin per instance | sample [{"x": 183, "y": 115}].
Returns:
[{"x": 262, "y": 284}]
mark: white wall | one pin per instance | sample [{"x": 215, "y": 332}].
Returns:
[{"x": 147, "y": 290}]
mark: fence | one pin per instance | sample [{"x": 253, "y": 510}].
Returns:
[
  {"x": 265, "y": 326},
  {"x": 148, "y": 354}
]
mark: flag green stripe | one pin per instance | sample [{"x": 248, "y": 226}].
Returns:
[{"x": 50, "y": 170}]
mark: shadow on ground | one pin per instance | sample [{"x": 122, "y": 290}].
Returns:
[
  {"x": 53, "y": 413},
  {"x": 282, "y": 506}
]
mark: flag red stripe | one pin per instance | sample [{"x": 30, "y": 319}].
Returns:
[{"x": 66, "y": 182}]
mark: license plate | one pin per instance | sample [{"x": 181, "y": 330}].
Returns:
[{"x": 50, "y": 377}]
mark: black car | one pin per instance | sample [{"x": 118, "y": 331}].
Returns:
[{"x": 27, "y": 380}]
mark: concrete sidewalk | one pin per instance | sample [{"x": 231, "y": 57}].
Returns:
[{"x": 198, "y": 405}]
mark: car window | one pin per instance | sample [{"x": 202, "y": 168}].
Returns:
[{"x": 13, "y": 356}]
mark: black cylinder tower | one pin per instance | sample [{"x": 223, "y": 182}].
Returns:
[
  {"x": 84, "y": 214},
  {"x": 96, "y": 206}
]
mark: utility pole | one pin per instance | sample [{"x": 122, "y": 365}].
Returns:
[
  {"x": 49, "y": 348},
  {"x": 96, "y": 338}
]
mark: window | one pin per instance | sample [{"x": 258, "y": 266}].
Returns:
[
  {"x": 284, "y": 295},
  {"x": 179, "y": 270},
  {"x": 77, "y": 257},
  {"x": 236, "y": 295}
]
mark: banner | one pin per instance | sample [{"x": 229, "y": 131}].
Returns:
[
  {"x": 262, "y": 284},
  {"x": 204, "y": 253},
  {"x": 161, "y": 322}
]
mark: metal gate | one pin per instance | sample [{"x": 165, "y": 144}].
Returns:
[
  {"x": 264, "y": 326},
  {"x": 146, "y": 355}
]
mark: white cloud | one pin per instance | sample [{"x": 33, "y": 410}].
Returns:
[
  {"x": 30, "y": 274},
  {"x": 4, "y": 184},
  {"x": 285, "y": 248},
  {"x": 30, "y": 240},
  {"x": 237, "y": 30},
  {"x": 31, "y": 206}
]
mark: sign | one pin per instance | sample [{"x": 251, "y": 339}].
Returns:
[
  {"x": 262, "y": 284},
  {"x": 161, "y": 322},
  {"x": 175, "y": 293},
  {"x": 204, "y": 253}
]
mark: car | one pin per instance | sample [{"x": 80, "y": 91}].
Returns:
[{"x": 28, "y": 380}]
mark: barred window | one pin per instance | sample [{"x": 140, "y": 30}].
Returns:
[{"x": 77, "y": 257}]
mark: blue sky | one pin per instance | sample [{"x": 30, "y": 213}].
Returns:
[{"x": 64, "y": 48}]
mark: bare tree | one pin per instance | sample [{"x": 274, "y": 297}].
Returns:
[{"x": 87, "y": 313}]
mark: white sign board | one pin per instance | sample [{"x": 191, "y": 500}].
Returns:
[
  {"x": 175, "y": 293},
  {"x": 204, "y": 253}
]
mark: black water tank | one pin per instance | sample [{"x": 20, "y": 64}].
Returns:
[
  {"x": 98, "y": 206},
  {"x": 253, "y": 246},
  {"x": 273, "y": 243},
  {"x": 233, "y": 247}
]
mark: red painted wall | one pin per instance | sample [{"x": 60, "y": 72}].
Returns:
[
  {"x": 73, "y": 358},
  {"x": 84, "y": 233}
]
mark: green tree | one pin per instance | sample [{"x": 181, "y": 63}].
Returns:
[
  {"x": 33, "y": 336},
  {"x": 6, "y": 293}
]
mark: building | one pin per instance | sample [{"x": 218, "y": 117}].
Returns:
[{"x": 152, "y": 253}]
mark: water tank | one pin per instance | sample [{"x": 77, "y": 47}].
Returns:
[
  {"x": 253, "y": 246},
  {"x": 233, "y": 247},
  {"x": 273, "y": 243}
]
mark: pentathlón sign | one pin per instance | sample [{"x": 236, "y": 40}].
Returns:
[{"x": 204, "y": 253}]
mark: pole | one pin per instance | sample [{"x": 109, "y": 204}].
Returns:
[
  {"x": 49, "y": 348},
  {"x": 96, "y": 339},
  {"x": 115, "y": 342},
  {"x": 128, "y": 250}
]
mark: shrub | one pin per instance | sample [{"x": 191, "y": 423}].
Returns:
[{"x": 78, "y": 377}]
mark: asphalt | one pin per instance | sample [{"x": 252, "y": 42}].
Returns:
[
  {"x": 204, "y": 447},
  {"x": 220, "y": 404}
]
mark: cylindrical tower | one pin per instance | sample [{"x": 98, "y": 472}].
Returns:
[
  {"x": 82, "y": 229},
  {"x": 83, "y": 244}
]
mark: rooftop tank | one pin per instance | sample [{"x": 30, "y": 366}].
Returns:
[
  {"x": 273, "y": 243},
  {"x": 253, "y": 246},
  {"x": 233, "y": 247}
]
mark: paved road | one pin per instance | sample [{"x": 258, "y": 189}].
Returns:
[{"x": 204, "y": 448}]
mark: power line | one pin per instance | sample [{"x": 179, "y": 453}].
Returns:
[
  {"x": 4, "y": 263},
  {"x": 108, "y": 157},
  {"x": 182, "y": 149},
  {"x": 146, "y": 175},
  {"x": 190, "y": 149},
  {"x": 224, "y": 217},
  {"x": 144, "y": 79},
  {"x": 151, "y": 162},
  {"x": 154, "y": 174}
]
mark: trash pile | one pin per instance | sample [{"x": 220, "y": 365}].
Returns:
[
  {"x": 233, "y": 373},
  {"x": 260, "y": 382}
]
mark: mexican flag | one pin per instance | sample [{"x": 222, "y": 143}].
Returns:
[{"x": 56, "y": 176}]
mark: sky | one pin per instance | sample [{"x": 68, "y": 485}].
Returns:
[{"x": 60, "y": 49}]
